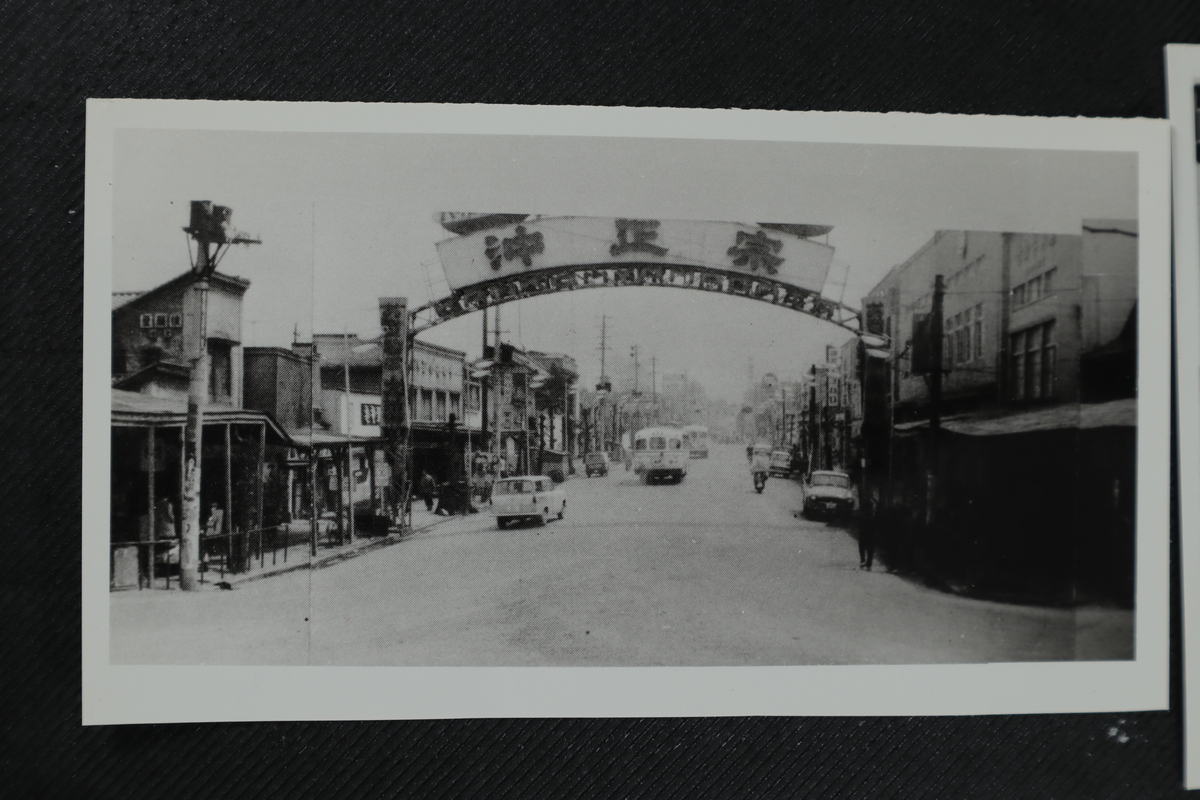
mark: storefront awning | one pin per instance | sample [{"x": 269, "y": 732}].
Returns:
[
  {"x": 136, "y": 410},
  {"x": 1084, "y": 416},
  {"x": 305, "y": 437}
]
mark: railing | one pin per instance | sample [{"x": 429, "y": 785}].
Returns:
[
  {"x": 235, "y": 552},
  {"x": 225, "y": 553}
]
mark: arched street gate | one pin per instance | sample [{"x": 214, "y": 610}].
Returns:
[{"x": 497, "y": 258}]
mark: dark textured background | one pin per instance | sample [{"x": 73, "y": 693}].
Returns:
[{"x": 1031, "y": 58}]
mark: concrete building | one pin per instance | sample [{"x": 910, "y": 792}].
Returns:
[{"x": 1035, "y": 450}]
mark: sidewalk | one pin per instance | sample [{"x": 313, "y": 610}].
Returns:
[{"x": 293, "y": 550}]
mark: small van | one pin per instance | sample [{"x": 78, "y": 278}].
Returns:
[{"x": 535, "y": 497}]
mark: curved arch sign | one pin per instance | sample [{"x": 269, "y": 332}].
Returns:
[{"x": 514, "y": 258}]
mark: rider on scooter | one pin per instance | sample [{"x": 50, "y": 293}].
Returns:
[{"x": 760, "y": 465}]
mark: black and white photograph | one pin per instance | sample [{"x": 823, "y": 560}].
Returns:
[{"x": 842, "y": 408}]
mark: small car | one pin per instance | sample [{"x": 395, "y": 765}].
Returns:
[
  {"x": 828, "y": 493},
  {"x": 595, "y": 464},
  {"x": 781, "y": 463},
  {"x": 534, "y": 497}
]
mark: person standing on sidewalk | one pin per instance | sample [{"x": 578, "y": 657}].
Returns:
[
  {"x": 427, "y": 488},
  {"x": 867, "y": 528}
]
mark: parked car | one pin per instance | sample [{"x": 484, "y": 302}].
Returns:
[
  {"x": 781, "y": 463},
  {"x": 534, "y": 497},
  {"x": 595, "y": 464},
  {"x": 828, "y": 493}
]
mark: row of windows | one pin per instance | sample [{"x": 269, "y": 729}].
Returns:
[
  {"x": 436, "y": 406},
  {"x": 964, "y": 336},
  {"x": 1033, "y": 363},
  {"x": 1034, "y": 289},
  {"x": 160, "y": 321}
]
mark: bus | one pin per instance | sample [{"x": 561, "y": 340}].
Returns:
[
  {"x": 695, "y": 439},
  {"x": 658, "y": 454}
]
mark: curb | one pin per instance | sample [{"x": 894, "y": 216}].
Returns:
[{"x": 334, "y": 558}]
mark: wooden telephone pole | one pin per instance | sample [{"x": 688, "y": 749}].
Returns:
[{"x": 211, "y": 229}]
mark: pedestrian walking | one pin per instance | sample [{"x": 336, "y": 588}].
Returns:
[
  {"x": 427, "y": 488},
  {"x": 867, "y": 528}
]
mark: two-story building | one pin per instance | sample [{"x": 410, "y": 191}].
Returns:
[
  {"x": 1036, "y": 437},
  {"x": 441, "y": 389},
  {"x": 155, "y": 336}
]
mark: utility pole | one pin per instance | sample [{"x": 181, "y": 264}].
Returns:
[
  {"x": 210, "y": 227},
  {"x": 499, "y": 378},
  {"x": 633, "y": 351},
  {"x": 936, "y": 355},
  {"x": 604, "y": 387},
  {"x": 483, "y": 390},
  {"x": 349, "y": 441},
  {"x": 654, "y": 387}
]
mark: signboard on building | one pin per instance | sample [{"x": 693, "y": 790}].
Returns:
[
  {"x": 545, "y": 243},
  {"x": 393, "y": 319}
]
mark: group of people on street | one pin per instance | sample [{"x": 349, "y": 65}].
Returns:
[{"x": 443, "y": 498}]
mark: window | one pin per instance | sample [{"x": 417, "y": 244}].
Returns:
[
  {"x": 160, "y": 320},
  {"x": 370, "y": 414},
  {"x": 441, "y": 406},
  {"x": 146, "y": 321},
  {"x": 427, "y": 405},
  {"x": 220, "y": 371},
  {"x": 1033, "y": 363},
  {"x": 455, "y": 405}
]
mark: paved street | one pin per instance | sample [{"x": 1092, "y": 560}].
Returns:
[{"x": 703, "y": 573}]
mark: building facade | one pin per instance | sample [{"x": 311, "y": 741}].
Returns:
[{"x": 1038, "y": 368}]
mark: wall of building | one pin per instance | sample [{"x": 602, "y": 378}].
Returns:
[
  {"x": 1045, "y": 289},
  {"x": 134, "y": 341},
  {"x": 1109, "y": 270},
  {"x": 278, "y": 381}
]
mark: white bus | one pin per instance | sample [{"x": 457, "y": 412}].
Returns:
[
  {"x": 658, "y": 453},
  {"x": 695, "y": 439}
]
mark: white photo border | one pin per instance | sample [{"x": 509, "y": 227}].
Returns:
[
  {"x": 117, "y": 694},
  {"x": 1183, "y": 76}
]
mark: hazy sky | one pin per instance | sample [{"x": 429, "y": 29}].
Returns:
[{"x": 347, "y": 218}]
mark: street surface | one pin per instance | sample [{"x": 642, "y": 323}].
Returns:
[{"x": 703, "y": 573}]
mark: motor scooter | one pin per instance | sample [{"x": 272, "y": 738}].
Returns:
[{"x": 760, "y": 464}]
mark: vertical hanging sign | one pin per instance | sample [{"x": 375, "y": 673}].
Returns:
[{"x": 393, "y": 319}]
